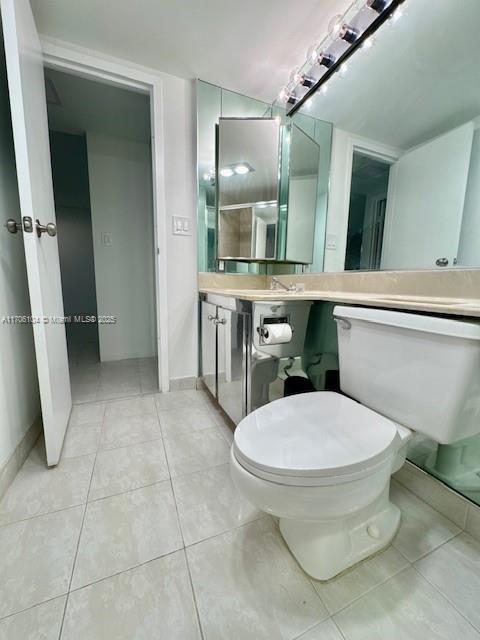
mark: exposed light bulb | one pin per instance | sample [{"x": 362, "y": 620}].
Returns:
[
  {"x": 241, "y": 169},
  {"x": 326, "y": 59},
  {"x": 286, "y": 95},
  {"x": 348, "y": 33},
  {"x": 378, "y": 5},
  {"x": 226, "y": 172},
  {"x": 312, "y": 54},
  {"x": 335, "y": 25}
]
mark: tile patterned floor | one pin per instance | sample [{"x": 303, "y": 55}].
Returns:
[
  {"x": 140, "y": 533},
  {"x": 94, "y": 381}
]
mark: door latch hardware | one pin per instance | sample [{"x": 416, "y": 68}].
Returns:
[{"x": 50, "y": 228}]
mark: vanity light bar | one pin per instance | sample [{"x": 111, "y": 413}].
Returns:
[{"x": 293, "y": 95}]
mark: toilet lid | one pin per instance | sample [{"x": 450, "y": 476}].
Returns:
[{"x": 314, "y": 435}]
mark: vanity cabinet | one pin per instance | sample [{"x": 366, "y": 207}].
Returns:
[{"x": 224, "y": 357}]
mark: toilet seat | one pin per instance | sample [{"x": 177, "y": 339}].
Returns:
[{"x": 314, "y": 439}]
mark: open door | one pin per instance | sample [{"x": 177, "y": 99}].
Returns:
[
  {"x": 425, "y": 203},
  {"x": 30, "y": 132}
]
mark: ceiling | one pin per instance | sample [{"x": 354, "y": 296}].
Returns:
[
  {"x": 420, "y": 79},
  {"x": 249, "y": 46},
  {"x": 76, "y": 105}
]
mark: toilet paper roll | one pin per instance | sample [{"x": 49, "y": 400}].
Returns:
[{"x": 277, "y": 333}]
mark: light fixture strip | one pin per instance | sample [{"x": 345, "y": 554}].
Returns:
[{"x": 296, "y": 102}]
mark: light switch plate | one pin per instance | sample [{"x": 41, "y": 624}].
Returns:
[
  {"x": 331, "y": 242},
  {"x": 181, "y": 226},
  {"x": 106, "y": 238}
]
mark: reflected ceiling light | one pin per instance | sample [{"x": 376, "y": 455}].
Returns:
[
  {"x": 343, "y": 69},
  {"x": 226, "y": 172},
  {"x": 242, "y": 169},
  {"x": 368, "y": 43},
  {"x": 324, "y": 89}
]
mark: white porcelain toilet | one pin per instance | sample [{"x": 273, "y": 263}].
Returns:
[{"x": 322, "y": 461}]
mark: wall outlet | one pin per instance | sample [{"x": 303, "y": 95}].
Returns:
[
  {"x": 106, "y": 239},
  {"x": 181, "y": 226}
]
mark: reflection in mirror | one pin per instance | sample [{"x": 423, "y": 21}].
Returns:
[
  {"x": 405, "y": 180},
  {"x": 248, "y": 188},
  {"x": 304, "y": 158}
]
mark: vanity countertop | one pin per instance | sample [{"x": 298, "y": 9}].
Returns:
[{"x": 449, "y": 306}]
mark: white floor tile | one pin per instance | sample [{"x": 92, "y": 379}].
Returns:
[
  {"x": 81, "y": 440},
  {"x": 42, "y": 622},
  {"x": 209, "y": 503},
  {"x": 38, "y": 489},
  {"x": 131, "y": 407},
  {"x": 119, "y": 470},
  {"x": 406, "y": 607},
  {"x": 195, "y": 451},
  {"x": 36, "y": 559},
  {"x": 355, "y": 582},
  {"x": 121, "y": 431},
  {"x": 151, "y": 602},
  {"x": 123, "y": 531},
  {"x": 179, "y": 400},
  {"x": 248, "y": 585},
  {"x": 422, "y": 529},
  {"x": 179, "y": 421},
  {"x": 454, "y": 568},
  {"x": 87, "y": 413}
]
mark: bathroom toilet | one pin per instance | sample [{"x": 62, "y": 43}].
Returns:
[{"x": 322, "y": 461}]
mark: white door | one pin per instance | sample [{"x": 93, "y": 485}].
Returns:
[
  {"x": 30, "y": 131},
  {"x": 425, "y": 202}
]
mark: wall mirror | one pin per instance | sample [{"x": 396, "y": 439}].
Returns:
[{"x": 405, "y": 172}]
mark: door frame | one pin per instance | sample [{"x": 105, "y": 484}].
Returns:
[{"x": 92, "y": 65}]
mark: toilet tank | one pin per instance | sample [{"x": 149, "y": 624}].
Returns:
[{"x": 421, "y": 371}]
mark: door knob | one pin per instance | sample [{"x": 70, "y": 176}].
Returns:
[
  {"x": 441, "y": 262},
  {"x": 12, "y": 226},
  {"x": 50, "y": 228}
]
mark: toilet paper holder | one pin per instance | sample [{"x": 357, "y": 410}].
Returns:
[{"x": 262, "y": 329}]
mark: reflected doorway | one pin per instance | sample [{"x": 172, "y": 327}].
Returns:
[{"x": 366, "y": 215}]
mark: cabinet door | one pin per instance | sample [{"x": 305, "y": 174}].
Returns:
[
  {"x": 209, "y": 346},
  {"x": 231, "y": 366}
]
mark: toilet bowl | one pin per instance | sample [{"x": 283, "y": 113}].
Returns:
[{"x": 322, "y": 461}]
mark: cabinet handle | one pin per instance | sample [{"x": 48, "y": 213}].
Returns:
[
  {"x": 221, "y": 321},
  {"x": 211, "y": 318}
]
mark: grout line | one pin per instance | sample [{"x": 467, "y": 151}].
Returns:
[
  {"x": 445, "y": 596},
  {"x": 80, "y": 532},
  {"x": 33, "y": 606}
]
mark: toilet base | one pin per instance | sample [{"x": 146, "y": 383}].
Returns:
[{"x": 325, "y": 549}]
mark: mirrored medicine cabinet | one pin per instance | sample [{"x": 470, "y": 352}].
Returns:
[{"x": 266, "y": 177}]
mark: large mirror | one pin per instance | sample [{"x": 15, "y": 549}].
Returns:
[{"x": 405, "y": 174}]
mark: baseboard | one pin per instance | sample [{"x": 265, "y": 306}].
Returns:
[
  {"x": 181, "y": 384},
  {"x": 19, "y": 455},
  {"x": 448, "y": 502}
]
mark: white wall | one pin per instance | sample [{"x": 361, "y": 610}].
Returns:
[
  {"x": 121, "y": 205},
  {"x": 180, "y": 199},
  {"x": 19, "y": 399},
  {"x": 469, "y": 248}
]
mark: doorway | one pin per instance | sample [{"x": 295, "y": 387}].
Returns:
[
  {"x": 366, "y": 216},
  {"x": 100, "y": 145}
]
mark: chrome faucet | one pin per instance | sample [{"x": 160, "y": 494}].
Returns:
[{"x": 275, "y": 283}]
